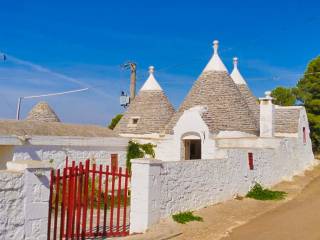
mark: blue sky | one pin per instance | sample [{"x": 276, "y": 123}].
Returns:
[{"x": 64, "y": 45}]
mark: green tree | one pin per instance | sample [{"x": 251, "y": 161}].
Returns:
[
  {"x": 115, "y": 121},
  {"x": 308, "y": 92},
  {"x": 284, "y": 96}
]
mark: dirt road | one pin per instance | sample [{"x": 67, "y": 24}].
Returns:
[{"x": 296, "y": 219}]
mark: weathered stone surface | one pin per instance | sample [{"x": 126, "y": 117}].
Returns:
[
  {"x": 227, "y": 109},
  {"x": 287, "y": 119},
  {"x": 43, "y": 112},
  {"x": 153, "y": 110},
  {"x": 251, "y": 101}
]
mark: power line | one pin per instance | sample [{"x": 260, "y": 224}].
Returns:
[{"x": 45, "y": 95}]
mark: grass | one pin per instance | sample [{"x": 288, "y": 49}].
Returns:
[
  {"x": 185, "y": 217},
  {"x": 260, "y": 193}
]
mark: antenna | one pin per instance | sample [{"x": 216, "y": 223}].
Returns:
[{"x": 44, "y": 95}]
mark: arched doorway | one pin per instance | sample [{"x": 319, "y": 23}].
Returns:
[{"x": 191, "y": 145}]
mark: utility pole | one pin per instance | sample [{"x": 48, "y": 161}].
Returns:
[{"x": 132, "y": 66}]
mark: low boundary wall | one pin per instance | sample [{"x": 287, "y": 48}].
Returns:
[{"x": 160, "y": 189}]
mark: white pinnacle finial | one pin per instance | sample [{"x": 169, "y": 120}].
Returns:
[
  {"x": 151, "y": 69},
  {"x": 215, "y": 64},
  {"x": 215, "y": 46},
  {"x": 236, "y": 75},
  {"x": 151, "y": 84},
  {"x": 235, "y": 62}
]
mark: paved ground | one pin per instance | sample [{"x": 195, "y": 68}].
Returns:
[
  {"x": 251, "y": 219},
  {"x": 297, "y": 219}
]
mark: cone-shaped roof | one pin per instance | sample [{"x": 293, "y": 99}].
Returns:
[
  {"x": 149, "y": 112},
  {"x": 227, "y": 110},
  {"x": 42, "y": 112},
  {"x": 251, "y": 100}
]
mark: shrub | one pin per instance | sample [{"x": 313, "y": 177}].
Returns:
[
  {"x": 185, "y": 217},
  {"x": 260, "y": 193}
]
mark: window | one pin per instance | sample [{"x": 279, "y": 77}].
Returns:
[
  {"x": 304, "y": 135},
  {"x": 250, "y": 160},
  {"x": 135, "y": 120}
]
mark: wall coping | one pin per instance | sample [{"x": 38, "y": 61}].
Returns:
[
  {"x": 28, "y": 164},
  {"x": 148, "y": 161}
]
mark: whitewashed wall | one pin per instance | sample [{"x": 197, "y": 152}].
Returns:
[
  {"x": 187, "y": 185},
  {"x": 24, "y": 205},
  {"x": 11, "y": 205},
  {"x": 193, "y": 184},
  {"x": 101, "y": 155}
]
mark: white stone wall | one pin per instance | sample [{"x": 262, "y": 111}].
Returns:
[
  {"x": 101, "y": 155},
  {"x": 24, "y": 205},
  {"x": 11, "y": 205},
  {"x": 188, "y": 185},
  {"x": 192, "y": 184}
]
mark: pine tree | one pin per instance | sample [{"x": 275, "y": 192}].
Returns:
[
  {"x": 308, "y": 92},
  {"x": 284, "y": 96}
]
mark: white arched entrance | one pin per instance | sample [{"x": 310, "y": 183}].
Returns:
[{"x": 191, "y": 146}]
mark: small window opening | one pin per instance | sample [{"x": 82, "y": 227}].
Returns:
[
  {"x": 304, "y": 135},
  {"x": 135, "y": 120},
  {"x": 250, "y": 160}
]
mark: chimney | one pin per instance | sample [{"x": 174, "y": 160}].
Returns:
[{"x": 266, "y": 116}]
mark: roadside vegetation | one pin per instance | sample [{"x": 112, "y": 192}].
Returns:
[
  {"x": 260, "y": 193},
  {"x": 185, "y": 217}
]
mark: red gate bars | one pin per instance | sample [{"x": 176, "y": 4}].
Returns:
[{"x": 86, "y": 201}]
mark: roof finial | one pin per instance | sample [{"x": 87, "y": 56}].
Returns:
[
  {"x": 151, "y": 69},
  {"x": 215, "y": 46},
  {"x": 236, "y": 75},
  {"x": 235, "y": 62},
  {"x": 215, "y": 63},
  {"x": 151, "y": 83}
]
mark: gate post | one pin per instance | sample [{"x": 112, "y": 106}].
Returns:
[
  {"x": 36, "y": 196},
  {"x": 145, "y": 194}
]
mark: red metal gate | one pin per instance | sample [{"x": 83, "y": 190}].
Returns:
[{"x": 87, "y": 201}]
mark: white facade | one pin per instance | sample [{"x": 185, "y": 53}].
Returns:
[{"x": 55, "y": 150}]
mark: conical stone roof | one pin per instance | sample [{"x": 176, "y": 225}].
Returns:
[
  {"x": 42, "y": 112},
  {"x": 149, "y": 112},
  {"x": 250, "y": 99},
  {"x": 227, "y": 110}
]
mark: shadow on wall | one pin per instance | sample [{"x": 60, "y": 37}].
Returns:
[{"x": 6, "y": 154}]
